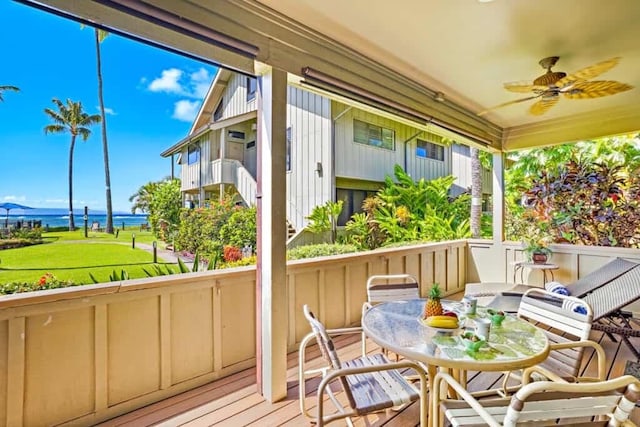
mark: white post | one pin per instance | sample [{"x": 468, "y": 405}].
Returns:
[
  {"x": 498, "y": 199},
  {"x": 223, "y": 154},
  {"x": 271, "y": 199}
]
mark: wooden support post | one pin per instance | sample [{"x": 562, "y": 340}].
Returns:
[{"x": 271, "y": 272}]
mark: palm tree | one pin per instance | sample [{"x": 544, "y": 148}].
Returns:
[
  {"x": 142, "y": 198},
  {"x": 100, "y": 35},
  {"x": 4, "y": 88},
  {"x": 70, "y": 118}
]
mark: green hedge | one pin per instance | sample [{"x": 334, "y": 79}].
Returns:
[{"x": 323, "y": 249}]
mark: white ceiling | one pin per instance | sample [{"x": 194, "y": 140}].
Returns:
[{"x": 467, "y": 49}]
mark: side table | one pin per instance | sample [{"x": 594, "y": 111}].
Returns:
[{"x": 546, "y": 267}]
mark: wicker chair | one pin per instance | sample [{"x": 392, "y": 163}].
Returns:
[
  {"x": 540, "y": 403},
  {"x": 388, "y": 287},
  {"x": 370, "y": 383}
]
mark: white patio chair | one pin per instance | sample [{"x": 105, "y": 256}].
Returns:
[
  {"x": 388, "y": 287},
  {"x": 370, "y": 383},
  {"x": 568, "y": 334},
  {"x": 539, "y": 403}
]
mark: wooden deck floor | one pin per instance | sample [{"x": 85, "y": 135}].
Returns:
[{"x": 233, "y": 401}]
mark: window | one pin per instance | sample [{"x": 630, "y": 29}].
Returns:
[
  {"x": 251, "y": 144},
  {"x": 217, "y": 114},
  {"x": 352, "y": 202},
  {"x": 252, "y": 85},
  {"x": 194, "y": 154},
  {"x": 236, "y": 134},
  {"x": 288, "y": 154},
  {"x": 429, "y": 150},
  {"x": 376, "y": 136}
]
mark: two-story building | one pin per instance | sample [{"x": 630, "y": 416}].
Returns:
[{"x": 336, "y": 149}]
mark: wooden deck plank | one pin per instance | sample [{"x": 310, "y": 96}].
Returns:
[{"x": 233, "y": 401}]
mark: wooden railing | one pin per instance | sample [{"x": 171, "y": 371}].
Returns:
[{"x": 83, "y": 355}]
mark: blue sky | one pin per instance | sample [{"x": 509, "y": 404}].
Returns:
[{"x": 151, "y": 97}]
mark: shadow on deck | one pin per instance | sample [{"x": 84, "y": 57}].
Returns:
[{"x": 234, "y": 401}]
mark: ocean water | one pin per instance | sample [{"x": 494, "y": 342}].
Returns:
[{"x": 58, "y": 220}]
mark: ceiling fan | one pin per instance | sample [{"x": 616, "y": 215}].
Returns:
[{"x": 550, "y": 85}]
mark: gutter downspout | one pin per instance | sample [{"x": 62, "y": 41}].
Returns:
[
  {"x": 333, "y": 151},
  {"x": 406, "y": 145}
]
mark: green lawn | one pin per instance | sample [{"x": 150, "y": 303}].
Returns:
[
  {"x": 69, "y": 256},
  {"x": 124, "y": 236}
]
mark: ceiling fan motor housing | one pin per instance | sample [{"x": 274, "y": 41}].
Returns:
[{"x": 549, "y": 78}]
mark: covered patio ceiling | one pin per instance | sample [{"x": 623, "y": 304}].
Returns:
[{"x": 401, "y": 56}]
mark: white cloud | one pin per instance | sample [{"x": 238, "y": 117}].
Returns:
[
  {"x": 107, "y": 110},
  {"x": 168, "y": 82},
  {"x": 176, "y": 81},
  {"x": 185, "y": 110},
  {"x": 200, "y": 81},
  {"x": 14, "y": 198}
]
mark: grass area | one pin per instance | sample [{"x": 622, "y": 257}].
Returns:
[
  {"x": 124, "y": 236},
  {"x": 71, "y": 256}
]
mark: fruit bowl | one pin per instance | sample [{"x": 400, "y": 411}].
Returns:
[
  {"x": 472, "y": 342},
  {"x": 496, "y": 317}
]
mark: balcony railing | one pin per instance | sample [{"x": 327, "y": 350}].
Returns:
[
  {"x": 221, "y": 171},
  {"x": 86, "y": 354}
]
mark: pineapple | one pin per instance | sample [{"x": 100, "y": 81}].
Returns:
[{"x": 433, "y": 307}]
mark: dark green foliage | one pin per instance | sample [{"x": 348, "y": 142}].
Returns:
[
  {"x": 409, "y": 210},
  {"x": 31, "y": 234},
  {"x": 200, "y": 228},
  {"x": 586, "y": 193},
  {"x": 324, "y": 218},
  {"x": 240, "y": 228},
  {"x": 324, "y": 249},
  {"x": 164, "y": 209}
]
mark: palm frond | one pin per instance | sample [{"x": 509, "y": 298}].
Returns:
[{"x": 54, "y": 129}]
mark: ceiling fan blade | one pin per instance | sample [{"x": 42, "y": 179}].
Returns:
[
  {"x": 523, "y": 87},
  {"x": 588, "y": 72},
  {"x": 595, "y": 89},
  {"x": 543, "y": 105},
  {"x": 481, "y": 113}
]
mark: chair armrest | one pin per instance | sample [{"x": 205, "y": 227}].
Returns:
[
  {"x": 526, "y": 374},
  {"x": 602, "y": 358},
  {"x": 344, "y": 331},
  {"x": 440, "y": 395}
]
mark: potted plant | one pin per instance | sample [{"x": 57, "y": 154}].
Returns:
[{"x": 537, "y": 251}]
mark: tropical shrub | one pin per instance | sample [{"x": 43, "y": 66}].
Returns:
[
  {"x": 250, "y": 260},
  {"x": 323, "y": 249},
  {"x": 164, "y": 209},
  {"x": 30, "y": 234},
  {"x": 47, "y": 281},
  {"x": 324, "y": 218},
  {"x": 409, "y": 210},
  {"x": 231, "y": 253},
  {"x": 199, "y": 229},
  {"x": 240, "y": 229},
  {"x": 587, "y": 203},
  {"x": 583, "y": 193}
]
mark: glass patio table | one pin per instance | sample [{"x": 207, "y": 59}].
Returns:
[{"x": 396, "y": 326}]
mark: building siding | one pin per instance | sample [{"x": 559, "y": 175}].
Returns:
[
  {"x": 360, "y": 161},
  {"x": 234, "y": 98},
  {"x": 309, "y": 117}
]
